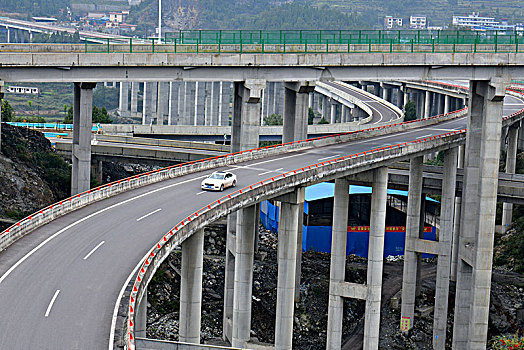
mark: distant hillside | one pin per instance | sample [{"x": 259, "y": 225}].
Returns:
[{"x": 439, "y": 12}]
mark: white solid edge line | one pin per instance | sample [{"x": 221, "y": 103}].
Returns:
[
  {"x": 119, "y": 298},
  {"x": 423, "y": 136},
  {"x": 51, "y": 303},
  {"x": 93, "y": 250},
  {"x": 199, "y": 193},
  {"x": 145, "y": 216}
]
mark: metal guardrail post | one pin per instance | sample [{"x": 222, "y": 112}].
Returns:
[
  {"x": 153, "y": 45},
  {"x": 412, "y": 45},
  {"x": 108, "y": 45},
  {"x": 85, "y": 42},
  {"x": 130, "y": 45}
]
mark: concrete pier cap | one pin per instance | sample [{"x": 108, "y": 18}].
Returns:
[
  {"x": 302, "y": 87},
  {"x": 255, "y": 87}
]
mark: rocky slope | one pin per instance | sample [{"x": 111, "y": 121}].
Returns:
[{"x": 32, "y": 176}]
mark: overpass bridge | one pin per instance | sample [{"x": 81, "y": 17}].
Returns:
[{"x": 132, "y": 250}]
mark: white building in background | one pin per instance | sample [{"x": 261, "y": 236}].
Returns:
[
  {"x": 391, "y": 22},
  {"x": 23, "y": 90},
  {"x": 417, "y": 22},
  {"x": 475, "y": 22}
]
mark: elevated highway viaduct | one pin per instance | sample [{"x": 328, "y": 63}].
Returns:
[{"x": 64, "y": 290}]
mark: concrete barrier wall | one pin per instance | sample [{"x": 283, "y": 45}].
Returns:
[{"x": 163, "y": 143}]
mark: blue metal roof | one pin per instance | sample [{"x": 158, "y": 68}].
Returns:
[{"x": 327, "y": 190}]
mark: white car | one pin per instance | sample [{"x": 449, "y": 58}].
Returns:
[{"x": 219, "y": 180}]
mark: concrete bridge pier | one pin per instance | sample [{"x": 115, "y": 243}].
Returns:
[
  {"x": 244, "y": 136},
  {"x": 337, "y": 270},
  {"x": 162, "y": 103},
  {"x": 447, "y": 209},
  {"x": 446, "y": 104},
  {"x": 147, "y": 101},
  {"x": 243, "y": 281},
  {"x": 427, "y": 104},
  {"x": 475, "y": 257},
  {"x": 333, "y": 112},
  {"x": 456, "y": 223},
  {"x": 81, "y": 147},
  {"x": 414, "y": 229},
  {"x": 181, "y": 106},
  {"x": 511, "y": 162},
  {"x": 172, "y": 112},
  {"x": 346, "y": 114},
  {"x": 200, "y": 98},
  {"x": 123, "y": 101},
  {"x": 134, "y": 98},
  {"x": 214, "y": 103},
  {"x": 154, "y": 100},
  {"x": 224, "y": 103},
  {"x": 189, "y": 103},
  {"x": 287, "y": 254},
  {"x": 296, "y": 101},
  {"x": 191, "y": 288},
  {"x": 373, "y": 288},
  {"x": 401, "y": 97}
]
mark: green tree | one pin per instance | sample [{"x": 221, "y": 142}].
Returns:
[
  {"x": 68, "y": 119},
  {"x": 410, "y": 111},
  {"x": 273, "y": 119},
  {"x": 310, "y": 116},
  {"x": 100, "y": 115},
  {"x": 323, "y": 121},
  {"x": 7, "y": 111}
]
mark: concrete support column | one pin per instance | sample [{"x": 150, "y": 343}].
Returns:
[
  {"x": 511, "y": 162},
  {"x": 337, "y": 272},
  {"x": 154, "y": 99},
  {"x": 346, "y": 114},
  {"x": 82, "y": 124},
  {"x": 447, "y": 209},
  {"x": 189, "y": 103},
  {"x": 401, "y": 97},
  {"x": 246, "y": 115},
  {"x": 411, "y": 258},
  {"x": 456, "y": 223},
  {"x": 147, "y": 104},
  {"x": 225, "y": 97},
  {"x": 229, "y": 278},
  {"x": 478, "y": 220},
  {"x": 375, "y": 258},
  {"x": 200, "y": 99},
  {"x": 141, "y": 317},
  {"x": 406, "y": 97},
  {"x": 446, "y": 104},
  {"x": 123, "y": 101},
  {"x": 296, "y": 110},
  {"x": 213, "y": 104},
  {"x": 287, "y": 254},
  {"x": 311, "y": 101},
  {"x": 324, "y": 107},
  {"x": 385, "y": 91},
  {"x": 245, "y": 250},
  {"x": 427, "y": 104},
  {"x": 333, "y": 115},
  {"x": 134, "y": 98},
  {"x": 162, "y": 102},
  {"x": 172, "y": 115},
  {"x": 191, "y": 287},
  {"x": 181, "y": 107}
]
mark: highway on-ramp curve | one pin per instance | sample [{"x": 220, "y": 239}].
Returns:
[{"x": 59, "y": 285}]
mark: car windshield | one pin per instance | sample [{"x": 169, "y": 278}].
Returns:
[{"x": 217, "y": 176}]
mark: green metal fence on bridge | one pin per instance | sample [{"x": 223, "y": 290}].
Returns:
[{"x": 320, "y": 41}]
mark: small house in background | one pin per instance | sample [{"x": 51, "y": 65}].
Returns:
[{"x": 318, "y": 219}]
